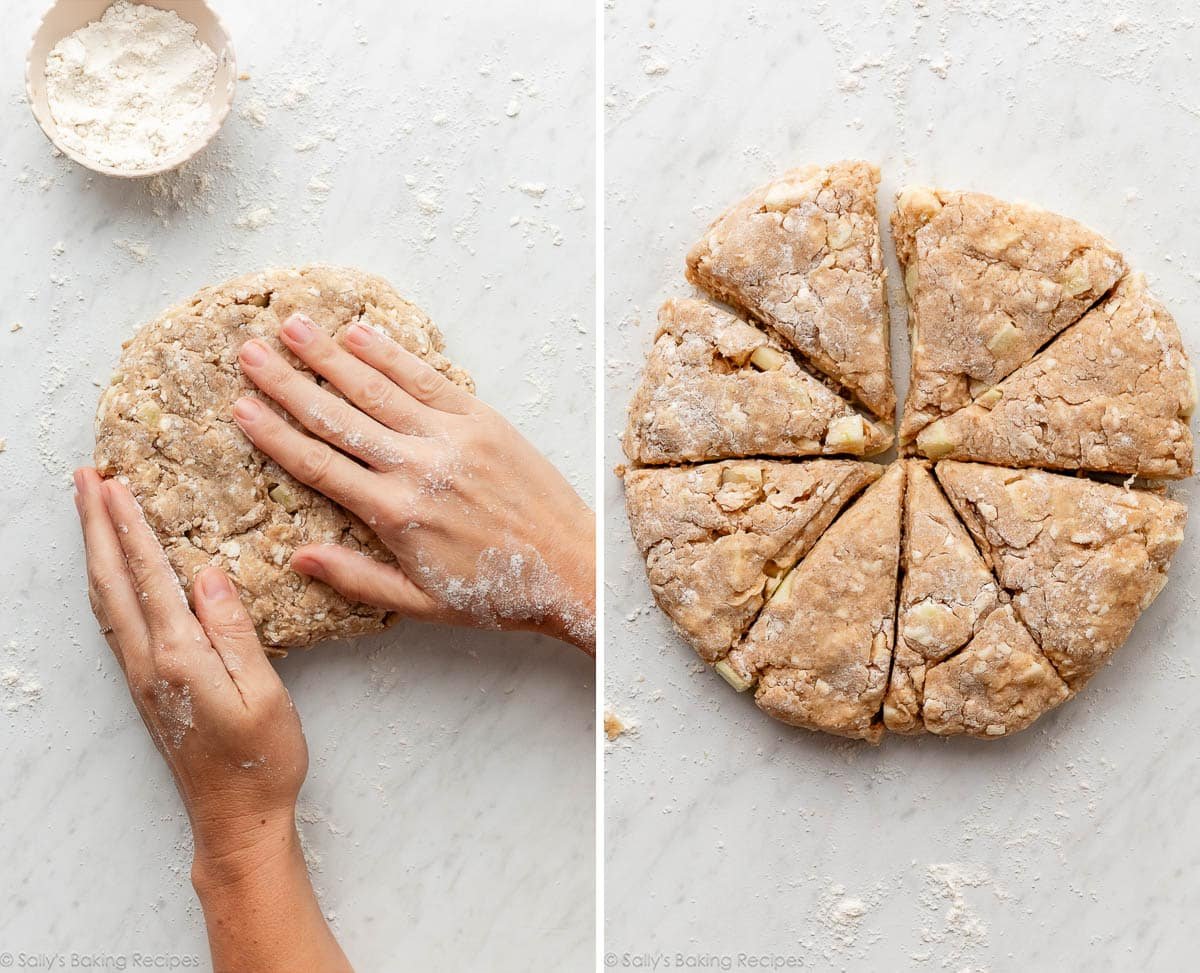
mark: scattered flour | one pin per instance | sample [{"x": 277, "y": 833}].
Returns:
[{"x": 131, "y": 90}]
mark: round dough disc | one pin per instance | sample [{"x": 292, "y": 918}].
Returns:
[{"x": 165, "y": 425}]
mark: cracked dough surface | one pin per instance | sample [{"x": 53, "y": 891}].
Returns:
[
  {"x": 715, "y": 386},
  {"x": 1112, "y": 394},
  {"x": 999, "y": 684},
  {"x": 165, "y": 425},
  {"x": 1082, "y": 559},
  {"x": 801, "y": 254},
  {"x": 717, "y": 537},
  {"x": 988, "y": 283},
  {"x": 821, "y": 649},
  {"x": 947, "y": 591}
]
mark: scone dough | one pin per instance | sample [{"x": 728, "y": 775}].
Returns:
[
  {"x": 821, "y": 649},
  {"x": 715, "y": 386},
  {"x": 801, "y": 254},
  {"x": 1082, "y": 559},
  {"x": 165, "y": 426},
  {"x": 988, "y": 284},
  {"x": 1111, "y": 394},
  {"x": 999, "y": 684},
  {"x": 718, "y": 538},
  {"x": 946, "y": 593},
  {"x": 1004, "y": 588}
]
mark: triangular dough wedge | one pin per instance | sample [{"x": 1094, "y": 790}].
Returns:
[
  {"x": 821, "y": 649},
  {"x": 1082, "y": 559},
  {"x": 717, "y": 538},
  {"x": 999, "y": 684},
  {"x": 1112, "y": 394},
  {"x": 716, "y": 387},
  {"x": 947, "y": 592},
  {"x": 988, "y": 283},
  {"x": 801, "y": 254}
]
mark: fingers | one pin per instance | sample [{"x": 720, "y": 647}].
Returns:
[
  {"x": 231, "y": 631},
  {"x": 322, "y": 412},
  {"x": 310, "y": 461},
  {"x": 370, "y": 390},
  {"x": 164, "y": 606},
  {"x": 416, "y": 377},
  {"x": 110, "y": 589},
  {"x": 363, "y": 579}
]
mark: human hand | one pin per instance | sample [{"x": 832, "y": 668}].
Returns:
[
  {"x": 223, "y": 722},
  {"x": 485, "y": 531}
]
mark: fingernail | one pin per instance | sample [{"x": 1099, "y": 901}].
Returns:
[
  {"x": 214, "y": 586},
  {"x": 299, "y": 328},
  {"x": 254, "y": 353},
  {"x": 246, "y": 409},
  {"x": 306, "y": 564},
  {"x": 358, "y": 335}
]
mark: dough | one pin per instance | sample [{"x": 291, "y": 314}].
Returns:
[
  {"x": 165, "y": 425},
  {"x": 988, "y": 283},
  {"x": 1082, "y": 559},
  {"x": 801, "y": 254},
  {"x": 821, "y": 650},
  {"x": 1112, "y": 394},
  {"x": 1008, "y": 587},
  {"x": 999, "y": 684},
  {"x": 718, "y": 538},
  {"x": 715, "y": 386},
  {"x": 947, "y": 591}
]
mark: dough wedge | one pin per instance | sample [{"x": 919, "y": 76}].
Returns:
[
  {"x": 716, "y": 387},
  {"x": 1113, "y": 394},
  {"x": 1082, "y": 559},
  {"x": 717, "y": 538},
  {"x": 821, "y": 649},
  {"x": 988, "y": 283},
  {"x": 801, "y": 254},
  {"x": 946, "y": 593},
  {"x": 996, "y": 686}
]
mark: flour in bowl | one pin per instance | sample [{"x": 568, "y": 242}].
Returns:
[{"x": 131, "y": 90}]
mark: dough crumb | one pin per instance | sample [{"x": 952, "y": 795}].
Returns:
[{"x": 614, "y": 726}]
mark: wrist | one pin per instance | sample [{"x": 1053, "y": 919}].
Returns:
[{"x": 234, "y": 853}]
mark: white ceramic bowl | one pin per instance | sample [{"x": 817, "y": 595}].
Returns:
[{"x": 67, "y": 16}]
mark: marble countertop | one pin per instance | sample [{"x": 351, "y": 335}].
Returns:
[
  {"x": 1071, "y": 846},
  {"x": 448, "y": 814}
]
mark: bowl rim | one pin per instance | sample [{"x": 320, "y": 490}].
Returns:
[{"x": 217, "y": 121}]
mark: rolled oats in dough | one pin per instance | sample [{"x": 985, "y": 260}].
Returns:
[
  {"x": 947, "y": 591},
  {"x": 988, "y": 284},
  {"x": 801, "y": 254},
  {"x": 715, "y": 386},
  {"x": 165, "y": 426},
  {"x": 717, "y": 538},
  {"x": 1111, "y": 394},
  {"x": 821, "y": 650},
  {"x": 1081, "y": 559}
]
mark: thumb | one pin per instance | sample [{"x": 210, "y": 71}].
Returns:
[
  {"x": 360, "y": 578},
  {"x": 231, "y": 631}
]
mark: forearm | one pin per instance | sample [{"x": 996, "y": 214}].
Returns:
[{"x": 261, "y": 911}]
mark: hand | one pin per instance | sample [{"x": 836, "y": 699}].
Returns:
[
  {"x": 485, "y": 531},
  {"x": 226, "y": 727}
]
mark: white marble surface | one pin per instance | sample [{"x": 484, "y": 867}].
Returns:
[
  {"x": 1072, "y": 846},
  {"x": 449, "y": 808}
]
